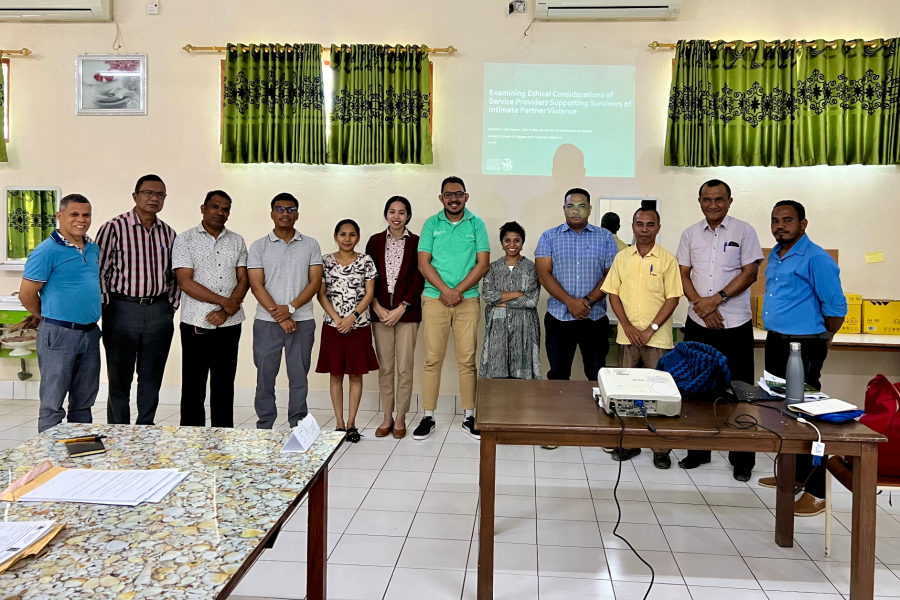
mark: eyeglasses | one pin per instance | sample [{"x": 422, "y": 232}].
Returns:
[
  {"x": 149, "y": 195},
  {"x": 288, "y": 209},
  {"x": 452, "y": 195}
]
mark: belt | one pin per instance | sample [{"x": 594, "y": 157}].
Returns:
[
  {"x": 827, "y": 335},
  {"x": 70, "y": 325},
  {"x": 142, "y": 300}
]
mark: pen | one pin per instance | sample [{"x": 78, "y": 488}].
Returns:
[
  {"x": 651, "y": 269},
  {"x": 87, "y": 438}
]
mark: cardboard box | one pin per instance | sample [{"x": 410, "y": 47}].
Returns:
[
  {"x": 756, "y": 305},
  {"x": 881, "y": 317},
  {"x": 853, "y": 320}
]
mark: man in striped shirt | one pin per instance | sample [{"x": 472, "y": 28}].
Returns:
[{"x": 140, "y": 296}]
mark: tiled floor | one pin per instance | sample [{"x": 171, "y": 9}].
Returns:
[{"x": 403, "y": 524}]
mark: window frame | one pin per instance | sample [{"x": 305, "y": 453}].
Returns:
[
  {"x": 18, "y": 263},
  {"x": 5, "y": 76}
]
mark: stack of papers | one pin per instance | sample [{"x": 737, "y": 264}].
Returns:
[
  {"x": 823, "y": 407},
  {"x": 16, "y": 537},
  {"x": 121, "y": 488},
  {"x": 775, "y": 386}
]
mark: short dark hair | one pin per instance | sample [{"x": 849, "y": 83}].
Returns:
[
  {"x": 145, "y": 178},
  {"x": 285, "y": 197},
  {"x": 611, "y": 222},
  {"x": 209, "y": 196},
  {"x": 714, "y": 183},
  {"x": 453, "y": 179},
  {"x": 343, "y": 222},
  {"x": 801, "y": 212},
  {"x": 581, "y": 191},
  {"x": 511, "y": 227},
  {"x": 402, "y": 200},
  {"x": 646, "y": 209},
  {"x": 77, "y": 198}
]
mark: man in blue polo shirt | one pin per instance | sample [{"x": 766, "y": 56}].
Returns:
[
  {"x": 61, "y": 290},
  {"x": 803, "y": 303}
]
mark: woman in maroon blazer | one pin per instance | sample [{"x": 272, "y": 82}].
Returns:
[{"x": 396, "y": 312}]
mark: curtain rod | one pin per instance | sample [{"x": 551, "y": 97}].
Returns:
[
  {"x": 189, "y": 48},
  {"x": 830, "y": 45},
  {"x": 22, "y": 52}
]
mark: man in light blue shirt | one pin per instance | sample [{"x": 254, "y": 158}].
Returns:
[
  {"x": 803, "y": 303},
  {"x": 61, "y": 290},
  {"x": 572, "y": 261}
]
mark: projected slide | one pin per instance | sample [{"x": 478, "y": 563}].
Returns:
[{"x": 531, "y": 110}]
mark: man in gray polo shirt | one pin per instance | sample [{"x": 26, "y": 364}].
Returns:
[{"x": 285, "y": 270}]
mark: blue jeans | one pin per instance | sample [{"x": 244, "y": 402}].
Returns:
[{"x": 69, "y": 361}]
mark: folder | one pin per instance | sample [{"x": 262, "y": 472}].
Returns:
[
  {"x": 35, "y": 478},
  {"x": 33, "y": 550}
]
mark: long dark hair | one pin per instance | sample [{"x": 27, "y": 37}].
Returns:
[
  {"x": 405, "y": 203},
  {"x": 346, "y": 222}
]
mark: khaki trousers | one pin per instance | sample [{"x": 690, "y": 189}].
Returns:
[
  {"x": 396, "y": 350},
  {"x": 646, "y": 357},
  {"x": 437, "y": 322}
]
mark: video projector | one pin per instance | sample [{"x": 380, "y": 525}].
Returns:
[{"x": 633, "y": 391}]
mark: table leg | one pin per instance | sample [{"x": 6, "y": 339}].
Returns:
[
  {"x": 486, "y": 529},
  {"x": 862, "y": 542},
  {"x": 784, "y": 500},
  {"x": 317, "y": 541}
]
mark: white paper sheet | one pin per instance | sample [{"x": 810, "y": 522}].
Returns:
[
  {"x": 124, "y": 488},
  {"x": 16, "y": 536},
  {"x": 823, "y": 407}
]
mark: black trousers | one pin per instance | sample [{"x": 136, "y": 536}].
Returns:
[
  {"x": 736, "y": 344},
  {"x": 208, "y": 354},
  {"x": 135, "y": 336},
  {"x": 562, "y": 337},
  {"x": 814, "y": 352}
]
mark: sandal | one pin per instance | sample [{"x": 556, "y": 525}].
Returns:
[
  {"x": 340, "y": 429},
  {"x": 353, "y": 435}
]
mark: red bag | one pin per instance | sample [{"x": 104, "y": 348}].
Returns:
[{"x": 883, "y": 415}]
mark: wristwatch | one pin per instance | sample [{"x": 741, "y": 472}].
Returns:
[
  {"x": 355, "y": 314},
  {"x": 654, "y": 326},
  {"x": 291, "y": 309},
  {"x": 724, "y": 296},
  {"x": 590, "y": 302}
]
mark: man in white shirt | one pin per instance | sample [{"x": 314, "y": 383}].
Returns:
[{"x": 719, "y": 260}]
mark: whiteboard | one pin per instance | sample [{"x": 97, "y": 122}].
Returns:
[{"x": 625, "y": 207}]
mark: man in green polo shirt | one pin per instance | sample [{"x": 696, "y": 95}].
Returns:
[{"x": 454, "y": 254}]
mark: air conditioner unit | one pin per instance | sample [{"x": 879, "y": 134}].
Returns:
[
  {"x": 588, "y": 10},
  {"x": 55, "y": 10}
]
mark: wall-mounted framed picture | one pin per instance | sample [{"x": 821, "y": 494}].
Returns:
[{"x": 111, "y": 84}]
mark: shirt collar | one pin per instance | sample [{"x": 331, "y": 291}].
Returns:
[
  {"x": 275, "y": 238},
  {"x": 467, "y": 214},
  {"x": 654, "y": 251},
  {"x": 726, "y": 223},
  {"x": 201, "y": 229},
  {"x": 57, "y": 237},
  {"x": 133, "y": 219},
  {"x": 798, "y": 248},
  {"x": 405, "y": 233},
  {"x": 588, "y": 227}
]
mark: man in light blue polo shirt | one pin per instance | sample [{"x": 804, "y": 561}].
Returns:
[
  {"x": 61, "y": 290},
  {"x": 803, "y": 303},
  {"x": 454, "y": 254}
]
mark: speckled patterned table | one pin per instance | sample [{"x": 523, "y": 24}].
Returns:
[{"x": 198, "y": 542}]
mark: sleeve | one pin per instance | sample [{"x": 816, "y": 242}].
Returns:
[
  {"x": 613, "y": 282},
  {"x": 672, "y": 282},
  {"x": 107, "y": 242},
  {"x": 482, "y": 242},
  {"x": 611, "y": 250},
  {"x": 242, "y": 254},
  {"x": 543, "y": 249},
  {"x": 416, "y": 282},
  {"x": 532, "y": 291},
  {"x": 370, "y": 271},
  {"x": 683, "y": 254},
  {"x": 490, "y": 290},
  {"x": 174, "y": 288},
  {"x": 255, "y": 256},
  {"x": 826, "y": 279},
  {"x": 426, "y": 238},
  {"x": 370, "y": 246},
  {"x": 751, "y": 251},
  {"x": 39, "y": 265},
  {"x": 181, "y": 253},
  {"x": 315, "y": 254}
]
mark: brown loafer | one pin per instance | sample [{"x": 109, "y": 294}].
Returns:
[
  {"x": 384, "y": 431},
  {"x": 400, "y": 433},
  {"x": 808, "y": 506}
]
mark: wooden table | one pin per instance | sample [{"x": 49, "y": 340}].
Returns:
[
  {"x": 847, "y": 342},
  {"x": 200, "y": 540},
  {"x": 564, "y": 413}
]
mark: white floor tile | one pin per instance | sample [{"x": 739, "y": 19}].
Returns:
[
  {"x": 515, "y": 453},
  {"x": 359, "y": 478},
  {"x": 514, "y": 559},
  {"x": 566, "y": 509},
  {"x": 522, "y": 507},
  {"x": 690, "y": 515},
  {"x": 714, "y": 593},
  {"x": 791, "y": 575},
  {"x": 677, "y": 494},
  {"x": 570, "y": 562},
  {"x": 629, "y": 590},
  {"x": 715, "y": 479},
  {"x": 399, "y": 480},
  {"x": 513, "y": 531},
  {"x": 515, "y": 468},
  {"x": 563, "y": 454},
  {"x": 454, "y": 503},
  {"x": 632, "y": 512},
  {"x": 461, "y": 450},
  {"x": 346, "y": 497},
  {"x": 291, "y": 546},
  {"x": 446, "y": 464},
  {"x": 641, "y": 536},
  {"x": 410, "y": 463},
  {"x": 761, "y": 544},
  {"x": 886, "y": 582},
  {"x": 338, "y": 519},
  {"x": 272, "y": 579},
  {"x": 885, "y": 525},
  {"x": 393, "y": 500},
  {"x": 568, "y": 533},
  {"x": 424, "y": 553},
  {"x": 715, "y": 571},
  {"x": 731, "y": 496},
  {"x": 547, "y": 470},
  {"x": 514, "y": 486},
  {"x": 381, "y": 522},
  {"x": 673, "y": 476},
  {"x": 699, "y": 540},
  {"x": 758, "y": 519},
  {"x": 610, "y": 472},
  {"x": 443, "y": 526},
  {"x": 372, "y": 550},
  {"x": 506, "y": 587},
  {"x": 625, "y": 566},
  {"x": 409, "y": 584},
  {"x": 802, "y": 596},
  {"x": 628, "y": 491},
  {"x": 356, "y": 582},
  {"x": 558, "y": 588},
  {"x": 361, "y": 461},
  {"x": 453, "y": 482}
]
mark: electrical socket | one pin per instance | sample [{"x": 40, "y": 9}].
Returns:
[
  {"x": 518, "y": 6},
  {"x": 153, "y": 8}
]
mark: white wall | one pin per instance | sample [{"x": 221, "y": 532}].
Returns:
[{"x": 850, "y": 208}]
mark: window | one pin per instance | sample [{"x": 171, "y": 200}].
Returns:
[{"x": 30, "y": 219}]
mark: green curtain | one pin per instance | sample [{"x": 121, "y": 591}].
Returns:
[
  {"x": 791, "y": 105},
  {"x": 273, "y": 104},
  {"x": 381, "y": 107},
  {"x": 30, "y": 218}
]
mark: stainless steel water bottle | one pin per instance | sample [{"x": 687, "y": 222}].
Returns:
[{"x": 794, "y": 375}]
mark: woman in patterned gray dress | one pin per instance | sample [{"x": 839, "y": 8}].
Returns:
[{"x": 512, "y": 330}]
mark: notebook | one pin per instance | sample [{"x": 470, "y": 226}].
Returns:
[
  {"x": 76, "y": 449},
  {"x": 822, "y": 407}
]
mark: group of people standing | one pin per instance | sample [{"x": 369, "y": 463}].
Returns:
[{"x": 138, "y": 272}]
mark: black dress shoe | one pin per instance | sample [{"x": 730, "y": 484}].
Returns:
[
  {"x": 622, "y": 454},
  {"x": 742, "y": 473},
  {"x": 661, "y": 460},
  {"x": 692, "y": 462}
]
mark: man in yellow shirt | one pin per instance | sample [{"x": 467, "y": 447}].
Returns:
[{"x": 644, "y": 288}]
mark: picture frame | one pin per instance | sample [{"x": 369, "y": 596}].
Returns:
[{"x": 111, "y": 84}]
